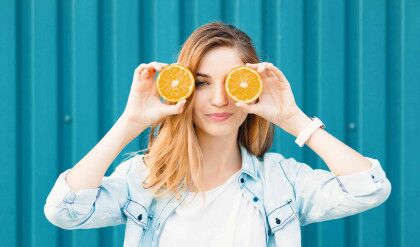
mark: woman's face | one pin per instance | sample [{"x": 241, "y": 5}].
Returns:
[{"x": 210, "y": 94}]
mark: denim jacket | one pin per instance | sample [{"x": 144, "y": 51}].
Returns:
[{"x": 291, "y": 194}]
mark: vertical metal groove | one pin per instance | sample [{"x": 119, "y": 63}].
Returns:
[
  {"x": 105, "y": 99},
  {"x": 19, "y": 121},
  {"x": 10, "y": 131},
  {"x": 31, "y": 144},
  {"x": 147, "y": 33},
  {"x": 277, "y": 34},
  {"x": 359, "y": 119},
  {"x": 69, "y": 238},
  {"x": 103, "y": 68},
  {"x": 352, "y": 103},
  {"x": 394, "y": 63},
  {"x": 114, "y": 59},
  {"x": 402, "y": 120},
  {"x": 154, "y": 17},
  {"x": 25, "y": 120},
  {"x": 61, "y": 128}
]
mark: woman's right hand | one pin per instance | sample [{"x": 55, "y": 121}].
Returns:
[{"x": 144, "y": 107}]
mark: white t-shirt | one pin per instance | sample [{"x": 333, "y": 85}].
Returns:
[{"x": 226, "y": 219}]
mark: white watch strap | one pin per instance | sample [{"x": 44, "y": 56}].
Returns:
[{"x": 308, "y": 131}]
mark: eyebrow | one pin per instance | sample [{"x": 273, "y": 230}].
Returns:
[{"x": 202, "y": 75}]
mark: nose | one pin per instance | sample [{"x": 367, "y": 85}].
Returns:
[{"x": 219, "y": 97}]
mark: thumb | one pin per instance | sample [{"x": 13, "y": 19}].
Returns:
[
  {"x": 175, "y": 109},
  {"x": 253, "y": 108}
]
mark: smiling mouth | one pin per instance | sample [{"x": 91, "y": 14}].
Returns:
[{"x": 219, "y": 117}]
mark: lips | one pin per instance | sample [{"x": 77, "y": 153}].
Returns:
[
  {"x": 219, "y": 116},
  {"x": 225, "y": 114}
]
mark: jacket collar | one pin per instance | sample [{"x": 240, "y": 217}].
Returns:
[{"x": 249, "y": 162}]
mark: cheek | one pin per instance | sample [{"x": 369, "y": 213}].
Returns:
[
  {"x": 197, "y": 105},
  {"x": 241, "y": 116}
]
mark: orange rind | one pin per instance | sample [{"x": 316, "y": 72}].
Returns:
[
  {"x": 175, "y": 83},
  {"x": 243, "y": 84}
]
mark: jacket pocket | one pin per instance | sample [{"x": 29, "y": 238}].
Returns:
[
  {"x": 137, "y": 213},
  {"x": 281, "y": 216}
]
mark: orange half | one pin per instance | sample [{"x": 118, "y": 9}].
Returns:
[
  {"x": 175, "y": 82},
  {"x": 243, "y": 84}
]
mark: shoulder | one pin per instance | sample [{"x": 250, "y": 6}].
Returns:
[
  {"x": 133, "y": 166},
  {"x": 135, "y": 172},
  {"x": 273, "y": 161},
  {"x": 278, "y": 159}
]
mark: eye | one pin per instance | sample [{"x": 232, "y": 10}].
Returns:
[{"x": 199, "y": 83}]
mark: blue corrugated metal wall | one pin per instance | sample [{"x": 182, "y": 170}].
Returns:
[{"x": 66, "y": 69}]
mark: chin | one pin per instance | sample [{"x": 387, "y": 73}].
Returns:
[{"x": 218, "y": 130}]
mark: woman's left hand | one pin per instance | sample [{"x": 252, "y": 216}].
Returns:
[{"x": 276, "y": 102}]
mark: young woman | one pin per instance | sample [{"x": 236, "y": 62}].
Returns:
[{"x": 249, "y": 197}]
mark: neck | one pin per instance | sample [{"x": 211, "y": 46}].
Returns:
[{"x": 221, "y": 159}]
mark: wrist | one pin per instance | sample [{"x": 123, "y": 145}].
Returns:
[
  {"x": 129, "y": 128},
  {"x": 295, "y": 124}
]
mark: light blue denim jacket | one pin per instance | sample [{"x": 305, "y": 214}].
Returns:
[{"x": 291, "y": 194}]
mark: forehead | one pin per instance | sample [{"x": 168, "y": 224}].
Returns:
[{"x": 219, "y": 61}]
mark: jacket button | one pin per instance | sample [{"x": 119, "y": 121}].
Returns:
[
  {"x": 140, "y": 217},
  {"x": 278, "y": 221},
  {"x": 372, "y": 176},
  {"x": 242, "y": 180},
  {"x": 255, "y": 199}
]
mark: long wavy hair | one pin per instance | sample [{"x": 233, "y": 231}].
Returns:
[{"x": 173, "y": 156}]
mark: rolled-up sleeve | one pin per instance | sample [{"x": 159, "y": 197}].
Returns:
[
  {"x": 89, "y": 208},
  {"x": 367, "y": 183},
  {"x": 323, "y": 196}
]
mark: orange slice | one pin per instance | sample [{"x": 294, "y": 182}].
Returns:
[
  {"x": 175, "y": 82},
  {"x": 243, "y": 84}
]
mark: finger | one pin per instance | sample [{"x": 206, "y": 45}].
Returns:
[
  {"x": 143, "y": 76},
  {"x": 271, "y": 72},
  {"x": 262, "y": 67},
  {"x": 175, "y": 109},
  {"x": 149, "y": 70},
  {"x": 142, "y": 82},
  {"x": 277, "y": 72},
  {"x": 252, "y": 65},
  {"x": 153, "y": 65},
  {"x": 138, "y": 70},
  {"x": 157, "y": 66},
  {"x": 145, "y": 73}
]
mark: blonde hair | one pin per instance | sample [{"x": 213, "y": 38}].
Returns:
[{"x": 174, "y": 157}]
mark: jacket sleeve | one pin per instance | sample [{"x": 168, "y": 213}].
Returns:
[
  {"x": 322, "y": 196},
  {"x": 89, "y": 208}
]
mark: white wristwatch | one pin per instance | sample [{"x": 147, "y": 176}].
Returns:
[{"x": 304, "y": 135}]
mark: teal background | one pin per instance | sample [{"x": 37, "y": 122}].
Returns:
[{"x": 66, "y": 69}]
